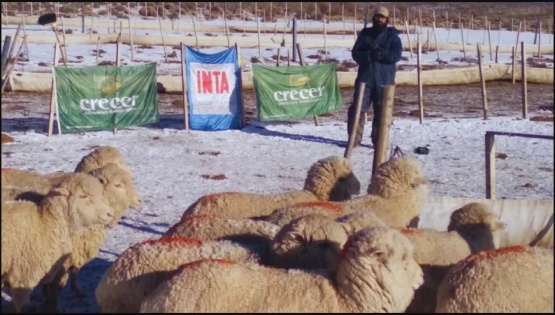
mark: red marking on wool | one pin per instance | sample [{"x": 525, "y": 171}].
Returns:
[
  {"x": 201, "y": 261},
  {"x": 488, "y": 254},
  {"x": 211, "y": 197},
  {"x": 408, "y": 231},
  {"x": 183, "y": 241},
  {"x": 322, "y": 204}
]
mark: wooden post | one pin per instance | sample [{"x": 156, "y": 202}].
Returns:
[
  {"x": 483, "y": 81},
  {"x": 354, "y": 127},
  {"x": 499, "y": 33},
  {"x": 118, "y": 64},
  {"x": 11, "y": 66},
  {"x": 91, "y": 29},
  {"x": 539, "y": 39},
  {"x": 490, "y": 165},
  {"x": 195, "y": 32},
  {"x": 63, "y": 37},
  {"x": 227, "y": 32},
  {"x": 514, "y": 65},
  {"x": 408, "y": 37},
  {"x": 462, "y": 39},
  {"x": 97, "y": 49},
  {"x": 184, "y": 88},
  {"x": 343, "y": 18},
  {"x": 258, "y": 32},
  {"x": 524, "y": 83},
  {"x": 517, "y": 38},
  {"x": 419, "y": 77},
  {"x": 325, "y": 41},
  {"x": 489, "y": 40},
  {"x": 496, "y": 53},
  {"x": 301, "y": 62},
  {"x": 130, "y": 38},
  {"x": 435, "y": 40},
  {"x": 53, "y": 95},
  {"x": 380, "y": 153},
  {"x": 163, "y": 42},
  {"x": 241, "y": 104},
  {"x": 278, "y": 57},
  {"x": 288, "y": 58}
]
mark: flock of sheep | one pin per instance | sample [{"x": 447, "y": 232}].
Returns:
[{"x": 320, "y": 249}]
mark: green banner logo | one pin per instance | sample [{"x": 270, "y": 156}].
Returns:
[
  {"x": 295, "y": 92},
  {"x": 100, "y": 98}
]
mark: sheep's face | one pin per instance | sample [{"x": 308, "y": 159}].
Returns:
[
  {"x": 118, "y": 188},
  {"x": 85, "y": 200},
  {"x": 359, "y": 220},
  {"x": 332, "y": 179},
  {"x": 478, "y": 221},
  {"x": 345, "y": 188},
  {"x": 308, "y": 242},
  {"x": 399, "y": 176},
  {"x": 380, "y": 262}
]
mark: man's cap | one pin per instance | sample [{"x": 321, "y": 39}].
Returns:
[{"x": 382, "y": 10}]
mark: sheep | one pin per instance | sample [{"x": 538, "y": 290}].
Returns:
[
  {"x": 375, "y": 273},
  {"x": 472, "y": 228},
  {"x": 283, "y": 216},
  {"x": 256, "y": 235},
  {"x": 139, "y": 269},
  {"x": 313, "y": 241},
  {"x": 20, "y": 184},
  {"x": 37, "y": 238},
  {"x": 121, "y": 195},
  {"x": 396, "y": 193},
  {"x": 516, "y": 279},
  {"x": 330, "y": 178}
]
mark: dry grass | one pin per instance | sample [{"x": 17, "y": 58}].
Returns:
[{"x": 445, "y": 12}]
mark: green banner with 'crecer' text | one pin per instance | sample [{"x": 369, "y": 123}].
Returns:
[
  {"x": 295, "y": 92},
  {"x": 99, "y": 98}
]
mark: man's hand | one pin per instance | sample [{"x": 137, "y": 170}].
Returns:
[{"x": 375, "y": 54}]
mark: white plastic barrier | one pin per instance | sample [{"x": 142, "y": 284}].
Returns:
[
  {"x": 525, "y": 219},
  {"x": 41, "y": 82}
]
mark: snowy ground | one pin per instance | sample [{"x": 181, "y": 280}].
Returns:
[{"x": 170, "y": 164}]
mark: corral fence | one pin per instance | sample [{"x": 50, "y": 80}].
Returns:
[{"x": 490, "y": 156}]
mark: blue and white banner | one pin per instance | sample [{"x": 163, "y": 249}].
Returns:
[{"x": 214, "y": 89}]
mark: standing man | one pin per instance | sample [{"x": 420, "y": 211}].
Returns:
[{"x": 376, "y": 51}]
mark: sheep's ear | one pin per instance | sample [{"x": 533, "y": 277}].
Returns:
[
  {"x": 379, "y": 253},
  {"x": 59, "y": 191},
  {"x": 419, "y": 181},
  {"x": 500, "y": 225}
]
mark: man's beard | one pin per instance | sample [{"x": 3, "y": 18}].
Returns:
[{"x": 379, "y": 27}]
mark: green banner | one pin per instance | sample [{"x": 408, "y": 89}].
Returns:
[
  {"x": 100, "y": 98},
  {"x": 295, "y": 92}
]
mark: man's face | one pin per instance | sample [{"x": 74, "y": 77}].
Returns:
[{"x": 380, "y": 19}]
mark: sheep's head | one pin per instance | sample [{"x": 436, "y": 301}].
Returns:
[
  {"x": 376, "y": 265},
  {"x": 118, "y": 188},
  {"x": 285, "y": 215},
  {"x": 82, "y": 196},
  {"x": 309, "y": 242},
  {"x": 399, "y": 176},
  {"x": 332, "y": 179},
  {"x": 100, "y": 157},
  {"x": 477, "y": 221},
  {"x": 359, "y": 220}
]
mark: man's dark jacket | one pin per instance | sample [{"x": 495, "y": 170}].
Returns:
[{"x": 381, "y": 72}]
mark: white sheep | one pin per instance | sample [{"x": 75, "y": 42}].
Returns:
[
  {"x": 143, "y": 266},
  {"x": 472, "y": 228},
  {"x": 283, "y": 216},
  {"x": 397, "y": 192},
  {"x": 313, "y": 241},
  {"x": 37, "y": 238},
  {"x": 328, "y": 179},
  {"x": 375, "y": 273},
  {"x": 516, "y": 279},
  {"x": 121, "y": 195},
  {"x": 256, "y": 235},
  {"x": 20, "y": 184}
]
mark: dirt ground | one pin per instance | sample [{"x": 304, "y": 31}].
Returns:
[{"x": 504, "y": 99}]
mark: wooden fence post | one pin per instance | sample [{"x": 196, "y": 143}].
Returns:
[
  {"x": 184, "y": 88},
  {"x": 242, "y": 104},
  {"x": 483, "y": 81},
  {"x": 408, "y": 37},
  {"x": 462, "y": 39},
  {"x": 53, "y": 95},
  {"x": 380, "y": 153},
  {"x": 524, "y": 84},
  {"x": 514, "y": 65},
  {"x": 419, "y": 76},
  {"x": 354, "y": 127},
  {"x": 490, "y": 165}
]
